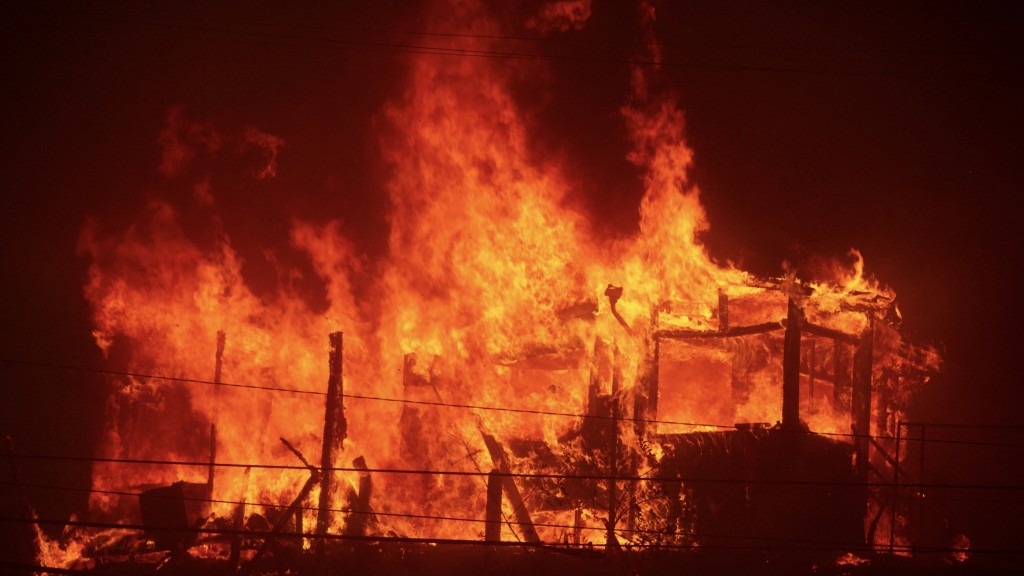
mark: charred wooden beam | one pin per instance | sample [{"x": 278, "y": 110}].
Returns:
[
  {"x": 830, "y": 333},
  {"x": 685, "y": 334},
  {"x": 361, "y": 512},
  {"x": 238, "y": 521},
  {"x": 791, "y": 368},
  {"x": 522, "y": 514},
  {"x": 492, "y": 532},
  {"x": 293, "y": 508},
  {"x": 594, "y": 385},
  {"x": 723, "y": 310},
  {"x": 653, "y": 381},
  {"x": 613, "y": 458},
  {"x": 645, "y": 403},
  {"x": 841, "y": 376},
  {"x": 219, "y": 355},
  {"x": 577, "y": 526},
  {"x": 810, "y": 370},
  {"x": 335, "y": 430},
  {"x": 860, "y": 405}
]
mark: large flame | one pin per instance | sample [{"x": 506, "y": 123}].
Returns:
[{"x": 493, "y": 281}]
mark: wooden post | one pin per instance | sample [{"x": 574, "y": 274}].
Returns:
[
  {"x": 577, "y": 526},
  {"x": 860, "y": 405},
  {"x": 791, "y": 368},
  {"x": 652, "y": 382},
  {"x": 723, "y": 310},
  {"x": 841, "y": 375},
  {"x": 218, "y": 355},
  {"x": 645, "y": 403},
  {"x": 360, "y": 511},
  {"x": 238, "y": 524},
  {"x": 895, "y": 487},
  {"x": 492, "y": 532},
  {"x": 335, "y": 430},
  {"x": 810, "y": 370},
  {"x": 613, "y": 448},
  {"x": 522, "y": 514},
  {"x": 314, "y": 477}
]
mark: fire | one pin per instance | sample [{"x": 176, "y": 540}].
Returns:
[{"x": 495, "y": 293}]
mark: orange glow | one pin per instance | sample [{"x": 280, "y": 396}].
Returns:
[{"x": 495, "y": 286}]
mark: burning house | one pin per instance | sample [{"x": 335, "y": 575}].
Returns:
[{"x": 504, "y": 374}]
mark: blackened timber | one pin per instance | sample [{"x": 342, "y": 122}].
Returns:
[
  {"x": 296, "y": 504},
  {"x": 683, "y": 334},
  {"x": 218, "y": 364},
  {"x": 219, "y": 355},
  {"x": 362, "y": 513},
  {"x": 830, "y": 333},
  {"x": 335, "y": 430},
  {"x": 511, "y": 490},
  {"x": 791, "y": 368},
  {"x": 613, "y": 448},
  {"x": 645, "y": 402},
  {"x": 294, "y": 509},
  {"x": 492, "y": 532},
  {"x": 653, "y": 381},
  {"x": 860, "y": 405},
  {"x": 723, "y": 310},
  {"x": 841, "y": 376},
  {"x": 810, "y": 370},
  {"x": 238, "y": 523}
]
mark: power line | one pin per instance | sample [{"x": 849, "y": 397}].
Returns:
[
  {"x": 640, "y": 531},
  {"x": 488, "y": 408},
  {"x": 39, "y": 569},
  {"x": 534, "y": 475},
  {"x": 567, "y": 39},
  {"x": 427, "y": 49},
  {"x": 801, "y": 545},
  {"x": 370, "y": 513}
]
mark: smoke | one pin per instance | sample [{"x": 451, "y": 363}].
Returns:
[
  {"x": 268, "y": 146},
  {"x": 561, "y": 16}
]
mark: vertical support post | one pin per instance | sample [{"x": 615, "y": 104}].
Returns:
[
  {"x": 895, "y": 487},
  {"x": 594, "y": 385},
  {"x": 652, "y": 382},
  {"x": 860, "y": 404},
  {"x": 360, "y": 509},
  {"x": 920, "y": 480},
  {"x": 613, "y": 447},
  {"x": 522, "y": 515},
  {"x": 335, "y": 430},
  {"x": 219, "y": 355},
  {"x": 840, "y": 376},
  {"x": 810, "y": 370},
  {"x": 577, "y": 526},
  {"x": 791, "y": 368},
  {"x": 723, "y": 310},
  {"x": 646, "y": 400},
  {"x": 492, "y": 532},
  {"x": 238, "y": 524}
]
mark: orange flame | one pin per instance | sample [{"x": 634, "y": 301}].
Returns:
[{"x": 492, "y": 281}]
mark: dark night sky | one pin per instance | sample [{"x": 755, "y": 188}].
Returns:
[{"x": 816, "y": 127}]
